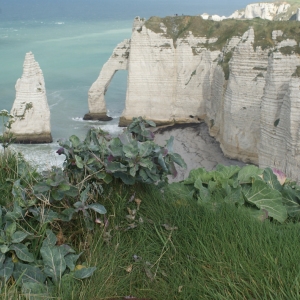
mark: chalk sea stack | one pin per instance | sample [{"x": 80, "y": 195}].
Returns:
[{"x": 30, "y": 108}]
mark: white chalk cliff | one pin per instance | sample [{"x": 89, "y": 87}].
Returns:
[
  {"x": 30, "y": 108},
  {"x": 96, "y": 102},
  {"x": 247, "y": 89},
  {"x": 261, "y": 10}
]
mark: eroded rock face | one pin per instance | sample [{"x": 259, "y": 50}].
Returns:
[
  {"x": 30, "y": 108},
  {"x": 242, "y": 102},
  {"x": 168, "y": 82},
  {"x": 96, "y": 101},
  {"x": 247, "y": 93},
  {"x": 298, "y": 14},
  {"x": 266, "y": 11},
  {"x": 280, "y": 114}
]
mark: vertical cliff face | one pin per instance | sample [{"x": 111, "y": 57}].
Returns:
[
  {"x": 170, "y": 80},
  {"x": 30, "y": 108},
  {"x": 280, "y": 112},
  {"x": 245, "y": 85},
  {"x": 241, "y": 79}
]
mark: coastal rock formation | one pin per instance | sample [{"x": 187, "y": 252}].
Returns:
[
  {"x": 298, "y": 15},
  {"x": 244, "y": 85},
  {"x": 267, "y": 11},
  {"x": 264, "y": 10},
  {"x": 280, "y": 114},
  {"x": 117, "y": 61},
  {"x": 30, "y": 108}
]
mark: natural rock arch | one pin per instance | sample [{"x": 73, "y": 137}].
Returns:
[{"x": 96, "y": 100}]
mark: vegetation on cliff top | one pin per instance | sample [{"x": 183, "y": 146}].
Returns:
[
  {"x": 179, "y": 27},
  {"x": 138, "y": 240}
]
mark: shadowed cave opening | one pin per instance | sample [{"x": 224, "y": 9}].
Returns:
[{"x": 115, "y": 95}]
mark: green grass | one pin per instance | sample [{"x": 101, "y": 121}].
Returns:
[
  {"x": 179, "y": 26},
  {"x": 211, "y": 255},
  {"x": 178, "y": 250},
  {"x": 8, "y": 173}
]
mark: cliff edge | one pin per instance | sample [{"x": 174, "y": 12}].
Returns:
[{"x": 239, "y": 76}]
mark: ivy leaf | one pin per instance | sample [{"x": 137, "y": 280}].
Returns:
[
  {"x": 22, "y": 252},
  {"x": 84, "y": 273}
]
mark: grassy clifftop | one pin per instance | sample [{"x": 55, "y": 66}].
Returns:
[{"x": 180, "y": 26}]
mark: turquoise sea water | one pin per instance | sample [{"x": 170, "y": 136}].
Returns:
[{"x": 71, "y": 40}]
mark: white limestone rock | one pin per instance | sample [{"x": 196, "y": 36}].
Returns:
[
  {"x": 96, "y": 101},
  {"x": 185, "y": 81},
  {"x": 216, "y": 18},
  {"x": 298, "y": 14},
  {"x": 280, "y": 112},
  {"x": 166, "y": 79},
  {"x": 266, "y": 11},
  {"x": 30, "y": 108},
  {"x": 276, "y": 33},
  {"x": 241, "y": 101}
]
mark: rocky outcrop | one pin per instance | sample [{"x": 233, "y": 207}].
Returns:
[
  {"x": 165, "y": 77},
  {"x": 280, "y": 114},
  {"x": 267, "y": 11},
  {"x": 245, "y": 87},
  {"x": 96, "y": 101},
  {"x": 241, "y": 99},
  {"x": 30, "y": 108},
  {"x": 298, "y": 15}
]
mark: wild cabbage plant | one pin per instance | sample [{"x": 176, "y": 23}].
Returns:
[
  {"x": 132, "y": 156},
  {"x": 266, "y": 193}
]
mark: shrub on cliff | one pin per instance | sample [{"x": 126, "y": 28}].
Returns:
[
  {"x": 46, "y": 208},
  {"x": 265, "y": 193}
]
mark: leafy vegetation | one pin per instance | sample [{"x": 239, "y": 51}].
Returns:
[
  {"x": 97, "y": 212},
  {"x": 179, "y": 27},
  {"x": 297, "y": 72},
  {"x": 182, "y": 250},
  {"x": 33, "y": 252},
  {"x": 6, "y": 138},
  {"x": 265, "y": 193}
]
